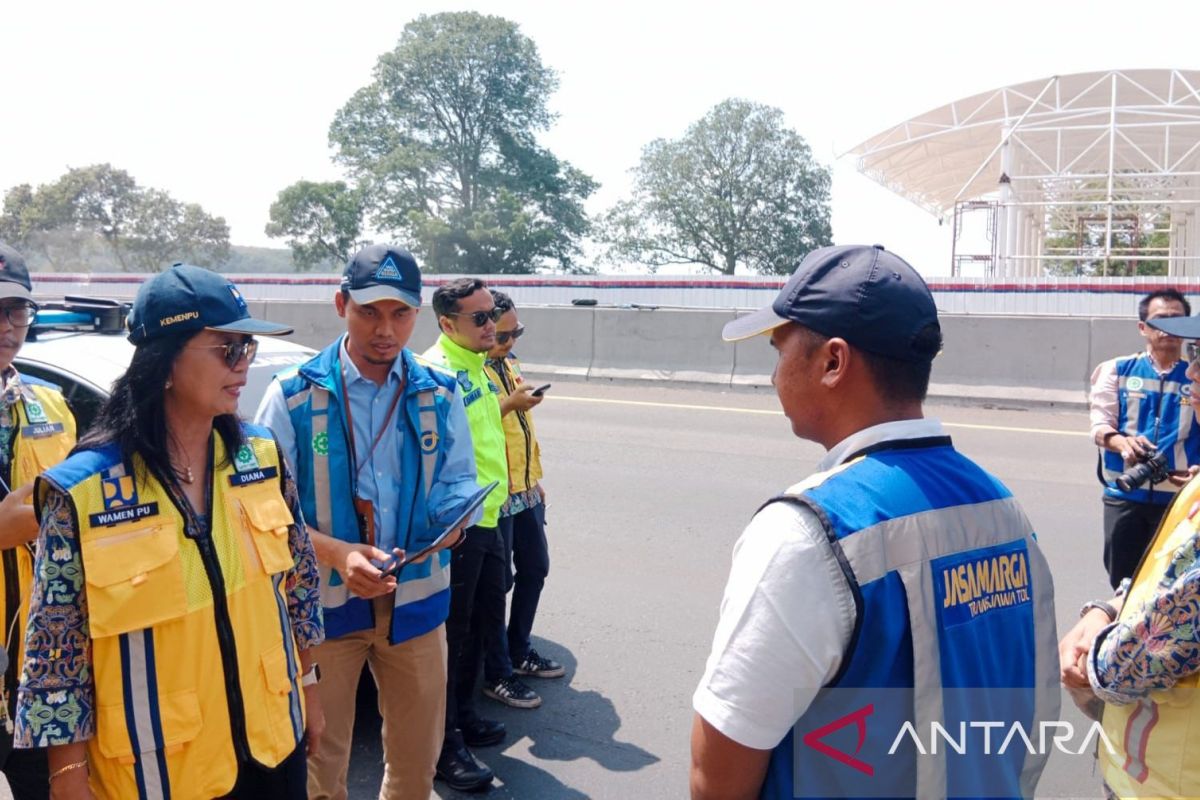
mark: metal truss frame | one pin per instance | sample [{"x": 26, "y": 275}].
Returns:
[{"x": 1047, "y": 157}]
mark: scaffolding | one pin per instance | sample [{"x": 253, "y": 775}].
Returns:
[{"x": 1095, "y": 173}]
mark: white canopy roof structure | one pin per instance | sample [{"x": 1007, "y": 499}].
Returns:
[{"x": 1094, "y": 171}]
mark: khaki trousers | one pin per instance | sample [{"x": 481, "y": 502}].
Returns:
[{"x": 411, "y": 679}]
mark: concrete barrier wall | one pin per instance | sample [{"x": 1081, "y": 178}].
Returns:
[{"x": 1000, "y": 359}]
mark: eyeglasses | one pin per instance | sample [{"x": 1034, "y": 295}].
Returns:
[
  {"x": 480, "y": 318},
  {"x": 1193, "y": 351},
  {"x": 502, "y": 337},
  {"x": 234, "y": 351},
  {"x": 20, "y": 315}
]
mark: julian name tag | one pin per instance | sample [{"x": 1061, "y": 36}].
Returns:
[
  {"x": 253, "y": 476},
  {"x": 41, "y": 431},
  {"x": 123, "y": 514}
]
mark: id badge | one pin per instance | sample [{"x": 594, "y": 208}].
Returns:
[{"x": 364, "y": 512}]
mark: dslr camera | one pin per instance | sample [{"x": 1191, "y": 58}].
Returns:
[{"x": 1152, "y": 468}]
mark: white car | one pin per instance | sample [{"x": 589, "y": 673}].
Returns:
[{"x": 80, "y": 346}]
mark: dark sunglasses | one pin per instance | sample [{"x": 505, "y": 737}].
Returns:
[
  {"x": 234, "y": 351},
  {"x": 480, "y": 318},
  {"x": 502, "y": 337}
]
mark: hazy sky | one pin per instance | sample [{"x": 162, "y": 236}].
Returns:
[{"x": 225, "y": 103}]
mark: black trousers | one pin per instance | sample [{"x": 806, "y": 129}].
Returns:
[
  {"x": 477, "y": 584},
  {"x": 1128, "y": 529},
  {"x": 26, "y": 771}
]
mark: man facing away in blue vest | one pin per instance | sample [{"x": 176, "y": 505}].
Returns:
[
  {"x": 1141, "y": 403},
  {"x": 383, "y": 460},
  {"x": 899, "y": 584}
]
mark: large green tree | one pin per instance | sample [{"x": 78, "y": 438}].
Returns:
[
  {"x": 322, "y": 221},
  {"x": 101, "y": 211},
  {"x": 738, "y": 190},
  {"x": 442, "y": 146}
]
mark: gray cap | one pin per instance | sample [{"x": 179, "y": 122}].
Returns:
[
  {"x": 871, "y": 298},
  {"x": 14, "y": 276}
]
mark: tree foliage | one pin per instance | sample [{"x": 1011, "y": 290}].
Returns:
[
  {"x": 103, "y": 208},
  {"x": 442, "y": 147},
  {"x": 322, "y": 221},
  {"x": 737, "y": 190}
]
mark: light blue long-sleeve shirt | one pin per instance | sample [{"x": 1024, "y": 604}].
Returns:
[{"x": 379, "y": 477}]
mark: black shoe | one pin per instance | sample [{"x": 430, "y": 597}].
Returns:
[
  {"x": 462, "y": 771},
  {"x": 512, "y": 691},
  {"x": 483, "y": 733},
  {"x": 537, "y": 666}
]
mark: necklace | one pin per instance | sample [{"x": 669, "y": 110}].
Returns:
[{"x": 186, "y": 475}]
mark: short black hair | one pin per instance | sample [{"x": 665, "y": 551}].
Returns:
[
  {"x": 1170, "y": 293},
  {"x": 446, "y": 296},
  {"x": 503, "y": 301},
  {"x": 894, "y": 379}
]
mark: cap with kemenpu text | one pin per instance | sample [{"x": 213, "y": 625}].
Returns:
[
  {"x": 189, "y": 298},
  {"x": 14, "y": 276},
  {"x": 871, "y": 298},
  {"x": 383, "y": 272}
]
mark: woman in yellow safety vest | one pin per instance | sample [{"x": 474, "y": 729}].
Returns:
[{"x": 175, "y": 589}]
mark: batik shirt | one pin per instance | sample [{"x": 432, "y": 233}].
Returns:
[
  {"x": 1161, "y": 645},
  {"x": 56, "y": 700}
]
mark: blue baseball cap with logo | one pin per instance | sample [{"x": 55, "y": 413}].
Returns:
[
  {"x": 383, "y": 272},
  {"x": 871, "y": 298},
  {"x": 187, "y": 298}
]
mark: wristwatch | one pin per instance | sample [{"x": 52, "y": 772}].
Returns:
[
  {"x": 312, "y": 677},
  {"x": 1107, "y": 608}
]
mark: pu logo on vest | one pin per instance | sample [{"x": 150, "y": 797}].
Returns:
[
  {"x": 121, "y": 503},
  {"x": 856, "y": 718},
  {"x": 35, "y": 412},
  {"x": 387, "y": 269},
  {"x": 981, "y": 583},
  {"x": 118, "y": 491},
  {"x": 320, "y": 443},
  {"x": 1134, "y": 384},
  {"x": 247, "y": 470}
]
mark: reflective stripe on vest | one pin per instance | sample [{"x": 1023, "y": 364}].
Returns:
[
  {"x": 334, "y": 591},
  {"x": 1158, "y": 407},
  {"x": 903, "y": 535},
  {"x": 168, "y": 721}
]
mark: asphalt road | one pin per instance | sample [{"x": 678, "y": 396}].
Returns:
[{"x": 648, "y": 489}]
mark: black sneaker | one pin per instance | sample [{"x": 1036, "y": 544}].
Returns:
[
  {"x": 535, "y": 666},
  {"x": 513, "y": 692}
]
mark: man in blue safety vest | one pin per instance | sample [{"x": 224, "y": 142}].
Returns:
[
  {"x": 900, "y": 576},
  {"x": 1141, "y": 405},
  {"x": 382, "y": 454}
]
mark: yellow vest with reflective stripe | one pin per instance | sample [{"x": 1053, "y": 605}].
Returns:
[
  {"x": 1157, "y": 739},
  {"x": 45, "y": 433},
  {"x": 163, "y": 712},
  {"x": 520, "y": 437}
]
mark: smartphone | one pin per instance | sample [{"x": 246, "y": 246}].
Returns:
[{"x": 539, "y": 391}]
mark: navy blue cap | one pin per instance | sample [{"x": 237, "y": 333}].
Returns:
[
  {"x": 14, "y": 276},
  {"x": 1183, "y": 327},
  {"x": 187, "y": 298},
  {"x": 383, "y": 272},
  {"x": 871, "y": 298}
]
